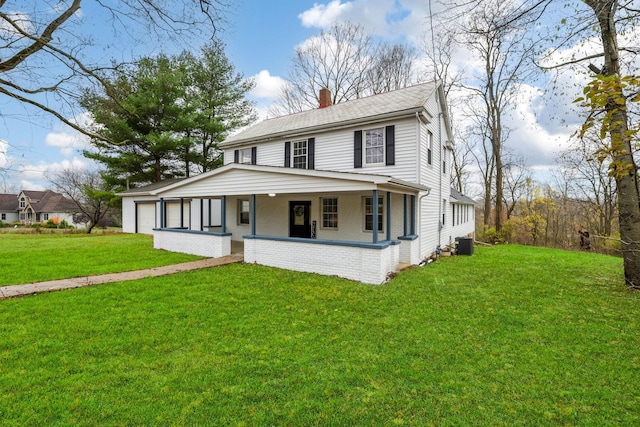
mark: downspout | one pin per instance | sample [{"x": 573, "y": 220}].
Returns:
[
  {"x": 441, "y": 226},
  {"x": 418, "y": 148}
]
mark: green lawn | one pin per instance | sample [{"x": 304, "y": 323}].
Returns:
[
  {"x": 28, "y": 258},
  {"x": 510, "y": 336}
]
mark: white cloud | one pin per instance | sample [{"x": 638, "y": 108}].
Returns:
[
  {"x": 41, "y": 171},
  {"x": 68, "y": 140},
  {"x": 538, "y": 143},
  {"x": 4, "y": 146},
  {"x": 21, "y": 19},
  {"x": 391, "y": 19},
  {"x": 324, "y": 15},
  {"x": 267, "y": 86},
  {"x": 25, "y": 184}
]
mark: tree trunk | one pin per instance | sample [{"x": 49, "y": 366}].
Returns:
[
  {"x": 499, "y": 191},
  {"x": 487, "y": 205},
  {"x": 625, "y": 169}
]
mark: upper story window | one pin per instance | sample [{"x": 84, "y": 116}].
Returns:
[
  {"x": 300, "y": 154},
  {"x": 245, "y": 156},
  {"x": 374, "y": 146},
  {"x": 429, "y": 148},
  {"x": 23, "y": 202}
]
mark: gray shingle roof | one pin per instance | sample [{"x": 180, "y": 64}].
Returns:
[
  {"x": 50, "y": 201},
  {"x": 397, "y": 102},
  {"x": 458, "y": 197},
  {"x": 40, "y": 201},
  {"x": 8, "y": 202}
]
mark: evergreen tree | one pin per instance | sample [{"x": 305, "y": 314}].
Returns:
[{"x": 170, "y": 116}]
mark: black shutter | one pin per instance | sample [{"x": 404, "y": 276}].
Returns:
[
  {"x": 236, "y": 156},
  {"x": 287, "y": 154},
  {"x": 390, "y": 145},
  {"x": 311, "y": 153},
  {"x": 357, "y": 149},
  {"x": 254, "y": 155}
]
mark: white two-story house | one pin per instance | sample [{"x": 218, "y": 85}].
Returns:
[{"x": 354, "y": 190}]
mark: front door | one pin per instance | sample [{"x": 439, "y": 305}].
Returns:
[{"x": 299, "y": 219}]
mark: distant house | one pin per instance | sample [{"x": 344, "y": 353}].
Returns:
[
  {"x": 354, "y": 190},
  {"x": 30, "y": 207}
]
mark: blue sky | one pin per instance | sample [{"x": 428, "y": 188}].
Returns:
[{"x": 261, "y": 37}]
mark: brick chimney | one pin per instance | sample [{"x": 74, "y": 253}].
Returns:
[{"x": 325, "y": 97}]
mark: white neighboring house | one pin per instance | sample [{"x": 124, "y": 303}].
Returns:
[
  {"x": 29, "y": 207},
  {"x": 353, "y": 190}
]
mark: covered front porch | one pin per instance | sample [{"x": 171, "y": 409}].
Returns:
[{"x": 356, "y": 226}]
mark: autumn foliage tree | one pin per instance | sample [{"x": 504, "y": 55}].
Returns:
[{"x": 609, "y": 96}]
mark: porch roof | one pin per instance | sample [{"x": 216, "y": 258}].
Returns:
[{"x": 240, "y": 179}]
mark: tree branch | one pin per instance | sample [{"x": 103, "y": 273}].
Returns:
[{"x": 39, "y": 42}]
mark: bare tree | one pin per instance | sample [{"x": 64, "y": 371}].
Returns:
[
  {"x": 392, "y": 68},
  {"x": 478, "y": 132},
  {"x": 495, "y": 33},
  {"x": 462, "y": 159},
  {"x": 44, "y": 44},
  {"x": 338, "y": 59},
  {"x": 589, "y": 181},
  {"x": 516, "y": 175},
  {"x": 348, "y": 62},
  {"x": 88, "y": 191}
]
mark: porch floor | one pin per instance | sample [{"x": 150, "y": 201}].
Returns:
[{"x": 237, "y": 248}]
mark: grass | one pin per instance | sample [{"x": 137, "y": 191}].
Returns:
[
  {"x": 510, "y": 336},
  {"x": 29, "y": 258}
]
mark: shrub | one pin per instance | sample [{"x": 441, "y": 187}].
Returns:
[{"x": 491, "y": 236}]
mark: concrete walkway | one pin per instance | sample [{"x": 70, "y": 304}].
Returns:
[{"x": 78, "y": 282}]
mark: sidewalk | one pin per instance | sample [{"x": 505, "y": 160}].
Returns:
[{"x": 78, "y": 282}]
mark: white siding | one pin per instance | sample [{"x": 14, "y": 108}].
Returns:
[
  {"x": 129, "y": 212},
  {"x": 432, "y": 233},
  {"x": 466, "y": 224},
  {"x": 235, "y": 182},
  {"x": 267, "y": 153},
  {"x": 10, "y": 217},
  {"x": 334, "y": 151}
]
